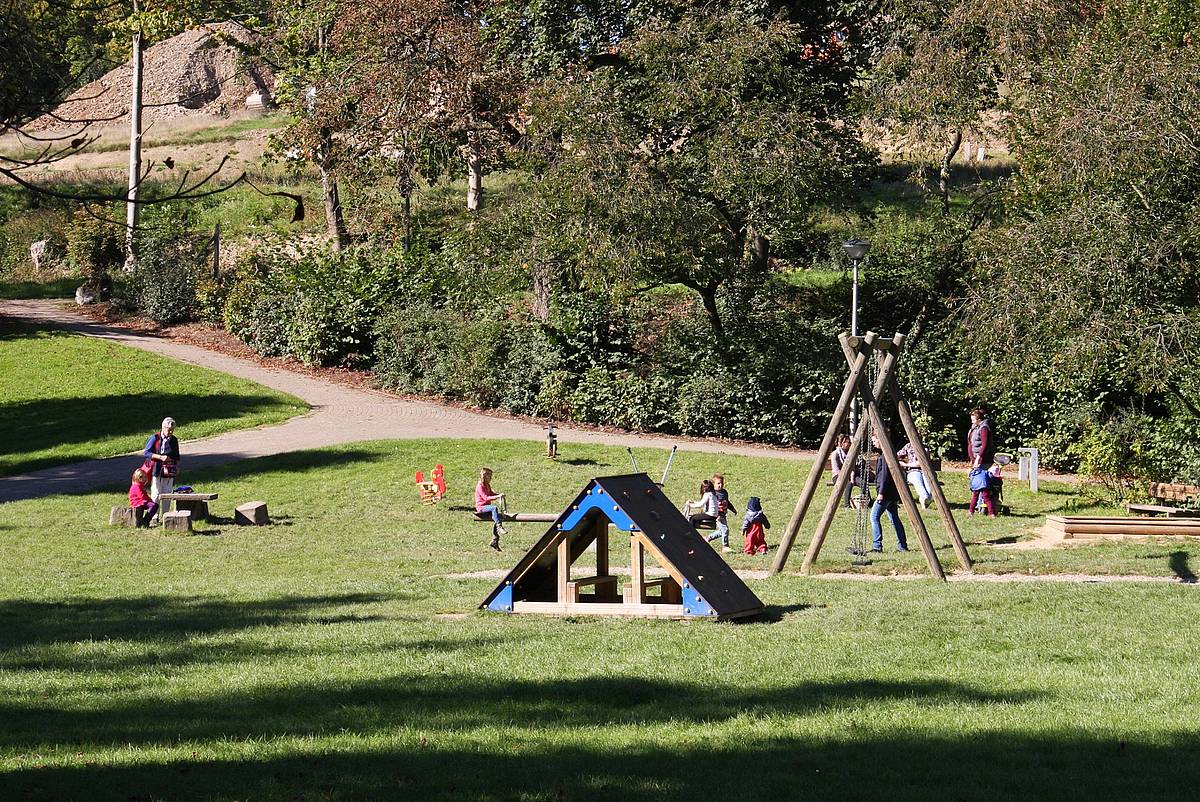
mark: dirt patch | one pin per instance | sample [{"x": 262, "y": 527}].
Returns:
[{"x": 201, "y": 72}]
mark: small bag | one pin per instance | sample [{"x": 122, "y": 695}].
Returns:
[
  {"x": 170, "y": 469},
  {"x": 148, "y": 467},
  {"x": 979, "y": 479}
]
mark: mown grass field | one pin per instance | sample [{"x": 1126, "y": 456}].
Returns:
[
  {"x": 66, "y": 397},
  {"x": 330, "y": 655}
]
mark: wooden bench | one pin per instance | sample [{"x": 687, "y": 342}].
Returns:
[
  {"x": 195, "y": 503},
  {"x": 605, "y": 588},
  {"x": 1166, "y": 492}
]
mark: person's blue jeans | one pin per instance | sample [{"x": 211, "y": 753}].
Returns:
[
  {"x": 722, "y": 530},
  {"x": 917, "y": 480},
  {"x": 493, "y": 510},
  {"x": 877, "y": 510}
]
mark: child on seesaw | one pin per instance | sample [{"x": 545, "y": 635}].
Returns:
[{"x": 489, "y": 502}]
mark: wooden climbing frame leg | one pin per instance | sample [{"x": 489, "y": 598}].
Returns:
[
  {"x": 637, "y": 568},
  {"x": 893, "y": 464},
  {"x": 839, "y": 487},
  {"x": 564, "y": 568},
  {"x": 939, "y": 496},
  {"x": 857, "y": 365}
]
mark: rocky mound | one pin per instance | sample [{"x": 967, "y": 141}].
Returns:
[{"x": 199, "y": 72}]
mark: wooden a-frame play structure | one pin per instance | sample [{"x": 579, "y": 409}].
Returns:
[
  {"x": 699, "y": 584},
  {"x": 860, "y": 353}
]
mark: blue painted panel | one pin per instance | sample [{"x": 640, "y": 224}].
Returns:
[
  {"x": 503, "y": 603},
  {"x": 694, "y": 603},
  {"x": 604, "y": 504}
]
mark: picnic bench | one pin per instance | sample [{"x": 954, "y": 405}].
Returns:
[
  {"x": 1165, "y": 492},
  {"x": 195, "y": 503}
]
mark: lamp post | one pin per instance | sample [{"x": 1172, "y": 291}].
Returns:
[{"x": 857, "y": 250}]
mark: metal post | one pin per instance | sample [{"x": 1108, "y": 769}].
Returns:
[{"x": 854, "y": 333}]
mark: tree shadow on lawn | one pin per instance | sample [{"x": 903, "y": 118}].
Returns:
[
  {"x": 539, "y": 742},
  {"x": 448, "y": 703},
  {"x": 159, "y": 618},
  {"x": 59, "y": 422}
]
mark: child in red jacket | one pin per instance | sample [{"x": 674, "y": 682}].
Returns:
[
  {"x": 139, "y": 499},
  {"x": 754, "y": 524}
]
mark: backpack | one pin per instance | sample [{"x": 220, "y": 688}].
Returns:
[{"x": 722, "y": 502}]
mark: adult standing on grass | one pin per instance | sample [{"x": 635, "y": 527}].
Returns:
[
  {"x": 887, "y": 499},
  {"x": 981, "y": 450},
  {"x": 162, "y": 461}
]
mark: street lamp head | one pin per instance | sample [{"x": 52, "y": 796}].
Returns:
[{"x": 856, "y": 249}]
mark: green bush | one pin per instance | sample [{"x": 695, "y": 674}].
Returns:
[
  {"x": 322, "y": 309},
  {"x": 94, "y": 246}
]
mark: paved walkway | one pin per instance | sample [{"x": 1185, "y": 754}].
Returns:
[{"x": 340, "y": 414}]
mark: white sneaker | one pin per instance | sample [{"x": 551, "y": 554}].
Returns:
[
  {"x": 726, "y": 549},
  {"x": 500, "y": 530}
]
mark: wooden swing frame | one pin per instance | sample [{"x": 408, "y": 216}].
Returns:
[{"x": 859, "y": 351}]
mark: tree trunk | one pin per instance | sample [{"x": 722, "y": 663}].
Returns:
[
  {"x": 335, "y": 220},
  {"x": 760, "y": 252},
  {"x": 708, "y": 294},
  {"x": 944, "y": 172},
  {"x": 474, "y": 173},
  {"x": 135, "y": 150}
]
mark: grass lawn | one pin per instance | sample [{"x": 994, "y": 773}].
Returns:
[
  {"x": 51, "y": 288},
  {"x": 329, "y": 656},
  {"x": 66, "y": 397}
]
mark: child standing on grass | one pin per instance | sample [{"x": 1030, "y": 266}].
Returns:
[
  {"x": 139, "y": 500},
  {"x": 724, "y": 505},
  {"x": 754, "y": 524},
  {"x": 489, "y": 502}
]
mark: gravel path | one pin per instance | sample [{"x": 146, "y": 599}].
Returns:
[{"x": 340, "y": 414}]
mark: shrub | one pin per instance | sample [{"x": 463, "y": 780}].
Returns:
[{"x": 93, "y": 245}]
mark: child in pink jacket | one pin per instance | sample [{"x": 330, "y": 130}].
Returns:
[{"x": 139, "y": 499}]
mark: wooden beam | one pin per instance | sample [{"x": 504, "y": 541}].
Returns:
[
  {"x": 601, "y": 546},
  {"x": 939, "y": 496},
  {"x": 564, "y": 567},
  {"x": 839, "y": 487},
  {"x": 857, "y": 365},
  {"x": 893, "y": 464},
  {"x": 637, "y": 567}
]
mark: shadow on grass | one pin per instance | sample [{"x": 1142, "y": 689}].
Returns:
[
  {"x": 447, "y": 704},
  {"x": 156, "y": 618},
  {"x": 537, "y": 742},
  {"x": 1179, "y": 565},
  {"x": 64, "y": 422}
]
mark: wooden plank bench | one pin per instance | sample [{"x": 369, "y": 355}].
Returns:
[
  {"x": 1159, "y": 509},
  {"x": 195, "y": 503},
  {"x": 605, "y": 588}
]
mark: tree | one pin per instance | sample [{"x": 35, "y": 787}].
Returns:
[
  {"x": 50, "y": 49},
  {"x": 1094, "y": 268},
  {"x": 698, "y": 149},
  {"x": 946, "y": 72}
]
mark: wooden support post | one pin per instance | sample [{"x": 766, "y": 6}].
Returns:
[
  {"x": 601, "y": 546},
  {"x": 831, "y": 432},
  {"x": 637, "y": 567},
  {"x": 893, "y": 464},
  {"x": 564, "y": 567},
  {"x": 939, "y": 496},
  {"x": 856, "y": 445}
]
